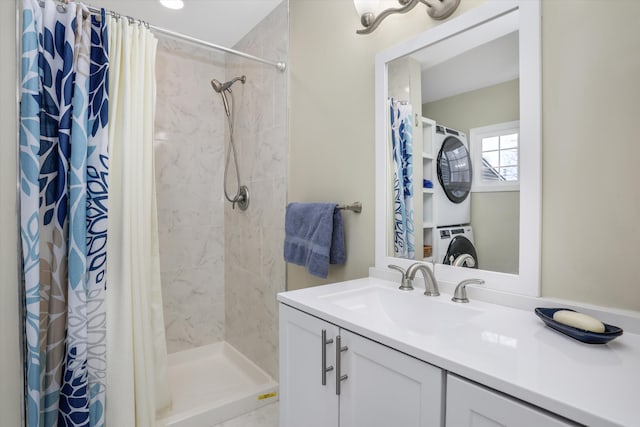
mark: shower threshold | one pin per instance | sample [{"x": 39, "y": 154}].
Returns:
[{"x": 215, "y": 383}]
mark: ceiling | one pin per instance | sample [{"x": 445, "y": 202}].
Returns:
[
  {"x": 479, "y": 57},
  {"x": 222, "y": 22},
  {"x": 483, "y": 66}
]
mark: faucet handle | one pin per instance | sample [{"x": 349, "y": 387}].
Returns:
[
  {"x": 460, "y": 294},
  {"x": 405, "y": 284}
]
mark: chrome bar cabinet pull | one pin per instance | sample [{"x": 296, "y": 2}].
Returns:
[
  {"x": 325, "y": 369},
  {"x": 339, "y": 376}
]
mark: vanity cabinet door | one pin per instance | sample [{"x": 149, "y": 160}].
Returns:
[
  {"x": 469, "y": 404},
  {"x": 304, "y": 401},
  {"x": 385, "y": 387}
]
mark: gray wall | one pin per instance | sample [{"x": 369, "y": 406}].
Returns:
[
  {"x": 494, "y": 215},
  {"x": 495, "y": 221},
  {"x": 588, "y": 104},
  {"x": 590, "y": 154},
  {"x": 10, "y": 368}
]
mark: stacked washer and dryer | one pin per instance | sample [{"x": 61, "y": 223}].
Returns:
[{"x": 453, "y": 236}]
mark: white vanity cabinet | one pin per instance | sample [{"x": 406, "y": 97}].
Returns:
[
  {"x": 304, "y": 400},
  {"x": 413, "y": 360},
  {"x": 470, "y": 404},
  {"x": 381, "y": 386}
]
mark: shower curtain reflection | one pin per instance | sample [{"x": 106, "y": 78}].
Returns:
[{"x": 402, "y": 148}]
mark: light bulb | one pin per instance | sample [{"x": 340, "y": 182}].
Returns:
[
  {"x": 172, "y": 4},
  {"x": 367, "y": 6}
]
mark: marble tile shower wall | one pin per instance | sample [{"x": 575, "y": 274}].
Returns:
[
  {"x": 254, "y": 264},
  {"x": 189, "y": 149}
]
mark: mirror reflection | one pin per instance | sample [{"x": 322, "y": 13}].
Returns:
[{"x": 454, "y": 139}]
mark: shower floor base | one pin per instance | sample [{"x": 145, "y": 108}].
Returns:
[{"x": 215, "y": 383}]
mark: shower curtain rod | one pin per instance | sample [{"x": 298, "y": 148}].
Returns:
[{"x": 280, "y": 66}]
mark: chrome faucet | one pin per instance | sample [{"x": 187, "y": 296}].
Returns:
[
  {"x": 406, "y": 284},
  {"x": 462, "y": 260},
  {"x": 430, "y": 283},
  {"x": 460, "y": 294}
]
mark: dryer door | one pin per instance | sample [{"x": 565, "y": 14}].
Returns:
[
  {"x": 454, "y": 169},
  {"x": 460, "y": 245}
]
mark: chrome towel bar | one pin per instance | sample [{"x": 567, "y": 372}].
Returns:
[{"x": 355, "y": 207}]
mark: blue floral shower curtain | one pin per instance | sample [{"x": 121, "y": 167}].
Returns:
[
  {"x": 63, "y": 174},
  {"x": 402, "y": 147}
]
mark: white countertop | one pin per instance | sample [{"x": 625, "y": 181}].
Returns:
[{"x": 507, "y": 349}]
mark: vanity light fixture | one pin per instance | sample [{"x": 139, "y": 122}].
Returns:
[
  {"x": 370, "y": 18},
  {"x": 172, "y": 4}
]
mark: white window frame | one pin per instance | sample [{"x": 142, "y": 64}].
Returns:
[{"x": 475, "y": 136}]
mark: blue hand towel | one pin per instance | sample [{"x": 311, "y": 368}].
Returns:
[{"x": 314, "y": 236}]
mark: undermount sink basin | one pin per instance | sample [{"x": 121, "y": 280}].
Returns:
[{"x": 410, "y": 310}]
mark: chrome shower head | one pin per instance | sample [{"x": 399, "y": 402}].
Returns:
[
  {"x": 216, "y": 85},
  {"x": 221, "y": 87}
]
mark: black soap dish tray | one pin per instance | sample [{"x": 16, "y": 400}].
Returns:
[{"x": 610, "y": 331}]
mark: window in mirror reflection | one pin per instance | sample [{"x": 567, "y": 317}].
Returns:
[
  {"x": 495, "y": 153},
  {"x": 500, "y": 158}
]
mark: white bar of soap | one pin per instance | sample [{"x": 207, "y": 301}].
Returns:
[{"x": 578, "y": 320}]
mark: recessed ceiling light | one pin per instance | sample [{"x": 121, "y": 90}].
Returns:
[{"x": 172, "y": 4}]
